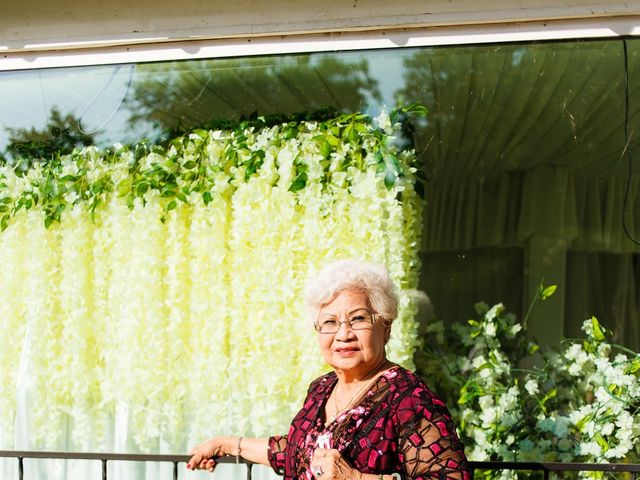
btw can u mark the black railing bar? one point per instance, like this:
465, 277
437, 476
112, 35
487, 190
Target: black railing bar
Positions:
20, 469
175, 470
476, 465
556, 466
128, 457
133, 457
104, 469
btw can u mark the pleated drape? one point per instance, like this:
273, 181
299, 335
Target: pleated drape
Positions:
526, 142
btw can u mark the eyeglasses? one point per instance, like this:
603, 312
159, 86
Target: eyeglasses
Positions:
359, 320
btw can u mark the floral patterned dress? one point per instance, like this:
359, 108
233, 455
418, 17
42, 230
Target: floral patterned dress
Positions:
399, 426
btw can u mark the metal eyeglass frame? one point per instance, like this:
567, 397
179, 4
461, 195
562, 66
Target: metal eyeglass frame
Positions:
374, 318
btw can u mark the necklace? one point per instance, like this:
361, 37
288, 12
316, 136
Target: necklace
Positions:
351, 400
354, 397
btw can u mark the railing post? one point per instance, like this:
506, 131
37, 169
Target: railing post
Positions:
249, 465
20, 469
175, 470
104, 469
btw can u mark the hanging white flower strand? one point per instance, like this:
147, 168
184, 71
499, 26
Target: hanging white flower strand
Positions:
133, 266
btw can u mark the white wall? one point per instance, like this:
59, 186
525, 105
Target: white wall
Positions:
40, 24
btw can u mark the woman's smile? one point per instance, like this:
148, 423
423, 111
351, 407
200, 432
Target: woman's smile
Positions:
346, 351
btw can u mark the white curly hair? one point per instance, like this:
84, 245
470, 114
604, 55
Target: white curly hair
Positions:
371, 278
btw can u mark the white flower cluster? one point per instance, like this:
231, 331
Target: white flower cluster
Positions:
491, 405
579, 404
607, 423
191, 325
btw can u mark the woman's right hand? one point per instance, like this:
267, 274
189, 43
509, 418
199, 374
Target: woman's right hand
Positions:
203, 456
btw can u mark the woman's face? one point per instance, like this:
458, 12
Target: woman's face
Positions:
354, 352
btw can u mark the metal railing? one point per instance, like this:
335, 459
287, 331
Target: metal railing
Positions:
110, 457
546, 467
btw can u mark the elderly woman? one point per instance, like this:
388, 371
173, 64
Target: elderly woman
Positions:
368, 419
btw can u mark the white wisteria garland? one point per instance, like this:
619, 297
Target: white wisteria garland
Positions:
163, 285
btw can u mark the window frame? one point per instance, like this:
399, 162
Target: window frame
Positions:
73, 54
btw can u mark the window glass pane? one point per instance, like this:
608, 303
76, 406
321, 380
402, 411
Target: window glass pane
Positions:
124, 103
457, 280
524, 148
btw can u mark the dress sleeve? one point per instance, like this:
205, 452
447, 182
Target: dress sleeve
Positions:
276, 453
428, 444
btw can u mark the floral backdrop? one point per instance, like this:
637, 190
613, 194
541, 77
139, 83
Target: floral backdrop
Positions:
151, 295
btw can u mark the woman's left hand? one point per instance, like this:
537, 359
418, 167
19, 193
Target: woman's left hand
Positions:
329, 464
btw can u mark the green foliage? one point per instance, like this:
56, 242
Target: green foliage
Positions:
61, 136
189, 167
516, 401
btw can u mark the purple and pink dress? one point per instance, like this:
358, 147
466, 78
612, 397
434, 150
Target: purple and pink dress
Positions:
399, 426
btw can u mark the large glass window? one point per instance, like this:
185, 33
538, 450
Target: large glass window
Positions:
524, 148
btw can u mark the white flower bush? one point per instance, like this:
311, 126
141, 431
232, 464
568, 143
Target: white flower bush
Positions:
162, 286
516, 402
